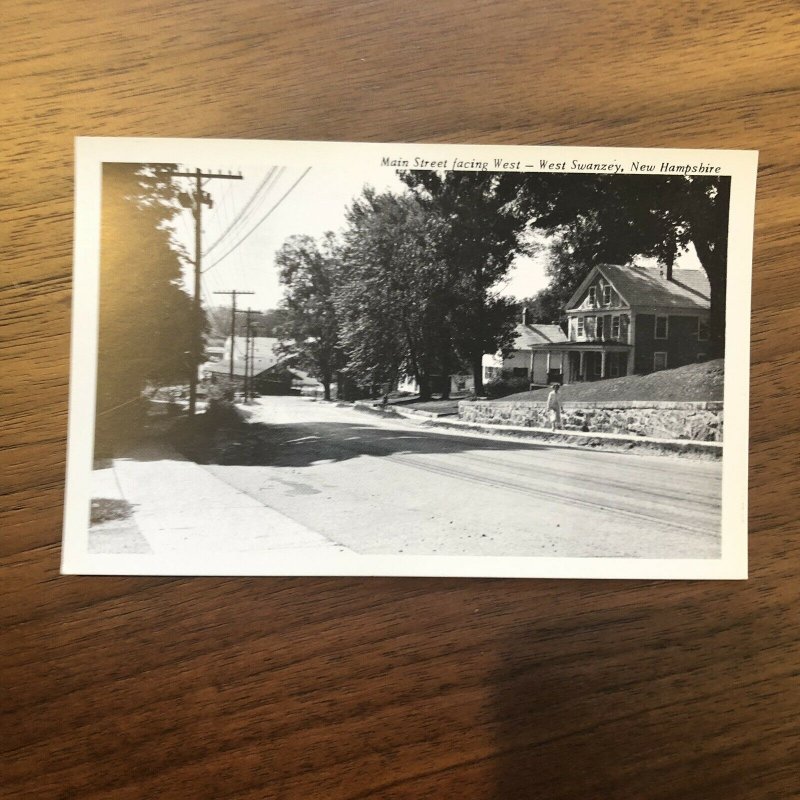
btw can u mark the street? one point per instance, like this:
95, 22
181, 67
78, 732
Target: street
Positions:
380, 485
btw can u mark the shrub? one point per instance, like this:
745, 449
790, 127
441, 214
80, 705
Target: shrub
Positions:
223, 389
221, 413
502, 386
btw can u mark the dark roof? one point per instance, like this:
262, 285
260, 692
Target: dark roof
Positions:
529, 335
645, 286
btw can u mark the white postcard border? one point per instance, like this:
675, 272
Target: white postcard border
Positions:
92, 152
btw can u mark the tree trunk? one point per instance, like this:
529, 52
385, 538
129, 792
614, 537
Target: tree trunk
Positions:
445, 387
715, 265
711, 244
424, 382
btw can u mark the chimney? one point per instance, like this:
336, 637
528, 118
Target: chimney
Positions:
525, 315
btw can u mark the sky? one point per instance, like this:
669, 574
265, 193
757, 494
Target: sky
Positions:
312, 206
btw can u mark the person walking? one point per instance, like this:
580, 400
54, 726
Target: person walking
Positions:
554, 407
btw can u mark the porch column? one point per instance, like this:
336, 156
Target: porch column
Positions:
581, 369
530, 374
547, 367
602, 363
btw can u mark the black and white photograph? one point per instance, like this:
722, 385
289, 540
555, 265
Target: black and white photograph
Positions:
332, 358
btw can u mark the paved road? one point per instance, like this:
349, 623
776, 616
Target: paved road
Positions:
385, 486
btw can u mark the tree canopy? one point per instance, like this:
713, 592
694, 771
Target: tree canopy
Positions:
603, 218
393, 299
146, 319
477, 247
310, 272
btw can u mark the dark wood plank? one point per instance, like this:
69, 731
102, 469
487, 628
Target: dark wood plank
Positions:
353, 688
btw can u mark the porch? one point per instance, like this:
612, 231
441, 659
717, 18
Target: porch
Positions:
577, 362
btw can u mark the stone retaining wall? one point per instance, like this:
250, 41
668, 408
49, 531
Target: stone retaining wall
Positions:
699, 421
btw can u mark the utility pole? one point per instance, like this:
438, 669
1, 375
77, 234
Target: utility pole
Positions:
252, 363
248, 357
233, 293
195, 203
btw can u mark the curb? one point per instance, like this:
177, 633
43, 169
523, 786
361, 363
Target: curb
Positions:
581, 439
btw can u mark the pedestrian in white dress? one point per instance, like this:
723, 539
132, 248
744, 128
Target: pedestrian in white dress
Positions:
554, 407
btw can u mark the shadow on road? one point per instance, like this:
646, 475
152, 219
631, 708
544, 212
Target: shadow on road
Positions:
303, 444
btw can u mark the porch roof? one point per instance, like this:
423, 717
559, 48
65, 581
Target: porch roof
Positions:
561, 347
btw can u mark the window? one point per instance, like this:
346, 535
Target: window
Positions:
490, 372
520, 372
662, 327
592, 296
581, 330
659, 361
615, 327
607, 295
590, 326
624, 323
702, 330
613, 363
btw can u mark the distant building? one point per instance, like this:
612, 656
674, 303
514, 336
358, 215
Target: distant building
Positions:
264, 356
630, 320
462, 382
524, 361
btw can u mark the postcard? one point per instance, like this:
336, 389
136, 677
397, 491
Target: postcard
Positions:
328, 358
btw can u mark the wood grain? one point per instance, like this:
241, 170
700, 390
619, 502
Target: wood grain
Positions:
354, 688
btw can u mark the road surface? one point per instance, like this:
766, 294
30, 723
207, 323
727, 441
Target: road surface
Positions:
386, 486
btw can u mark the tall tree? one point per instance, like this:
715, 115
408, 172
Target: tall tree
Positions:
605, 218
393, 301
478, 246
145, 316
310, 271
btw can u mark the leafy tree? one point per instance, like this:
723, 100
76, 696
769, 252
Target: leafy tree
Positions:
565, 270
544, 307
604, 218
309, 271
477, 246
145, 317
393, 302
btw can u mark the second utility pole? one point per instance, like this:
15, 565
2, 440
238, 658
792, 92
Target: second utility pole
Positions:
233, 294
248, 358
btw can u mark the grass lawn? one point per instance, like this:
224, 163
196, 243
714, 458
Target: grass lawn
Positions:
413, 402
702, 382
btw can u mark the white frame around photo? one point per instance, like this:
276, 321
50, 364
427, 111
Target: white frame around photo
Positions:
92, 153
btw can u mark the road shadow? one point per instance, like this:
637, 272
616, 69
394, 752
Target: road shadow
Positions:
304, 444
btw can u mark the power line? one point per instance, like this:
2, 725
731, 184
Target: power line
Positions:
253, 229
242, 213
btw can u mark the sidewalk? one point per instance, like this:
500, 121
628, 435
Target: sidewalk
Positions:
179, 507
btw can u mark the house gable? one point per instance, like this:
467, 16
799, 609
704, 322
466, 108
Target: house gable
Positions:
597, 291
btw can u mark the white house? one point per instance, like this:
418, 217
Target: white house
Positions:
540, 367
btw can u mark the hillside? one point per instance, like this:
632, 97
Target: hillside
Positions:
693, 382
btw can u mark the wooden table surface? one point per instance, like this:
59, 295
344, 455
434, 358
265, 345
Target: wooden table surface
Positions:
392, 688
